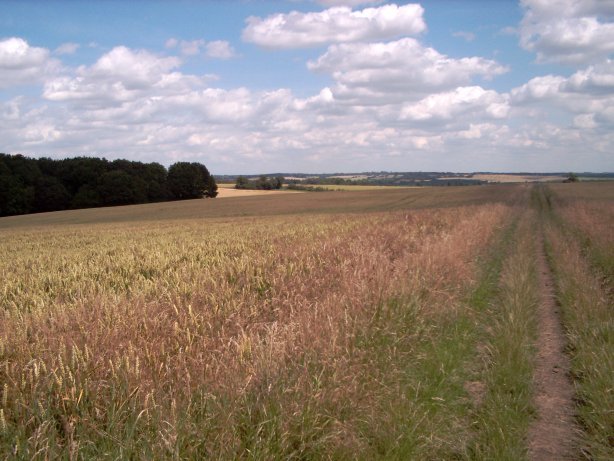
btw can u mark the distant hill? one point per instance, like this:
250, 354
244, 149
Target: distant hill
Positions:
418, 178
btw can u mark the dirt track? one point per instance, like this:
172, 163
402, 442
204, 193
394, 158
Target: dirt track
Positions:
551, 436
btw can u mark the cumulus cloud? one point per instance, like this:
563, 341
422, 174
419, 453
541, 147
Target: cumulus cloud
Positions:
21, 63
352, 3
67, 48
220, 49
568, 31
403, 68
461, 101
186, 47
118, 75
467, 36
334, 25
596, 81
585, 98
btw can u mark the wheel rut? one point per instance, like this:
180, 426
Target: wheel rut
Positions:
552, 435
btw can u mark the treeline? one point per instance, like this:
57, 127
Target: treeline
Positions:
36, 185
261, 183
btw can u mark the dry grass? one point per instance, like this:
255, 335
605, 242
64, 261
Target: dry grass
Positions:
581, 250
249, 338
587, 312
299, 326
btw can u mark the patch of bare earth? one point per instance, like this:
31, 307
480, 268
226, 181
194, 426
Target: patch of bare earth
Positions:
552, 434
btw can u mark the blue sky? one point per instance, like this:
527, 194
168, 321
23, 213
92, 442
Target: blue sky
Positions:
312, 86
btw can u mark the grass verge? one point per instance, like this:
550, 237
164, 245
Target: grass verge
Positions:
589, 325
504, 408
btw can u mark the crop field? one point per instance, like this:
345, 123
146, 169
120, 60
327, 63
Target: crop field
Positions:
399, 323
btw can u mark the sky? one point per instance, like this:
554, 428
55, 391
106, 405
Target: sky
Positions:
313, 86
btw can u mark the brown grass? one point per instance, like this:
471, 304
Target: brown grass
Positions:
174, 337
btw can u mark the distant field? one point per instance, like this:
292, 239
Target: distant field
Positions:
224, 189
226, 192
396, 323
508, 178
386, 198
357, 187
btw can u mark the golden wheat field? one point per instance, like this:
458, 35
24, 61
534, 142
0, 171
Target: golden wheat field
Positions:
335, 325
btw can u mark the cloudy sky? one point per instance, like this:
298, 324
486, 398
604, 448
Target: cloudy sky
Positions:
259, 86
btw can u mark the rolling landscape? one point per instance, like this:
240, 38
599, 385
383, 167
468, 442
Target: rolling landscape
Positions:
400, 323
307, 230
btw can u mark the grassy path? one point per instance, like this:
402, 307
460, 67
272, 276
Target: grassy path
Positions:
505, 409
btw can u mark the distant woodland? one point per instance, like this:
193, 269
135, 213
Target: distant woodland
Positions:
37, 185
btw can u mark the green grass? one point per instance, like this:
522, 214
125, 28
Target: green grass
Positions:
504, 415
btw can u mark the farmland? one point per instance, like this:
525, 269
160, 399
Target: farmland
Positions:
399, 323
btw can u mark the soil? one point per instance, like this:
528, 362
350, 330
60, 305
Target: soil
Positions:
552, 435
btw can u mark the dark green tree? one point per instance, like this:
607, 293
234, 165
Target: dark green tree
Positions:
242, 183
263, 183
119, 188
278, 181
50, 195
154, 176
189, 180
15, 198
76, 172
211, 191
86, 197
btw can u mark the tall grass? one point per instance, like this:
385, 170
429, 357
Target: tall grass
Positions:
506, 409
222, 331
579, 244
266, 338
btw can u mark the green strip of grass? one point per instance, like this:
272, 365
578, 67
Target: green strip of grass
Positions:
503, 417
430, 413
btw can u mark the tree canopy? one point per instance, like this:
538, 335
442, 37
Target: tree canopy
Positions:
30, 185
263, 183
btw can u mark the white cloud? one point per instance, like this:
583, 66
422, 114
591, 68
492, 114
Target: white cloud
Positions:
596, 79
67, 48
21, 63
461, 101
171, 43
220, 49
583, 101
191, 47
401, 69
595, 82
352, 3
568, 31
186, 47
119, 75
467, 36
334, 25
134, 68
